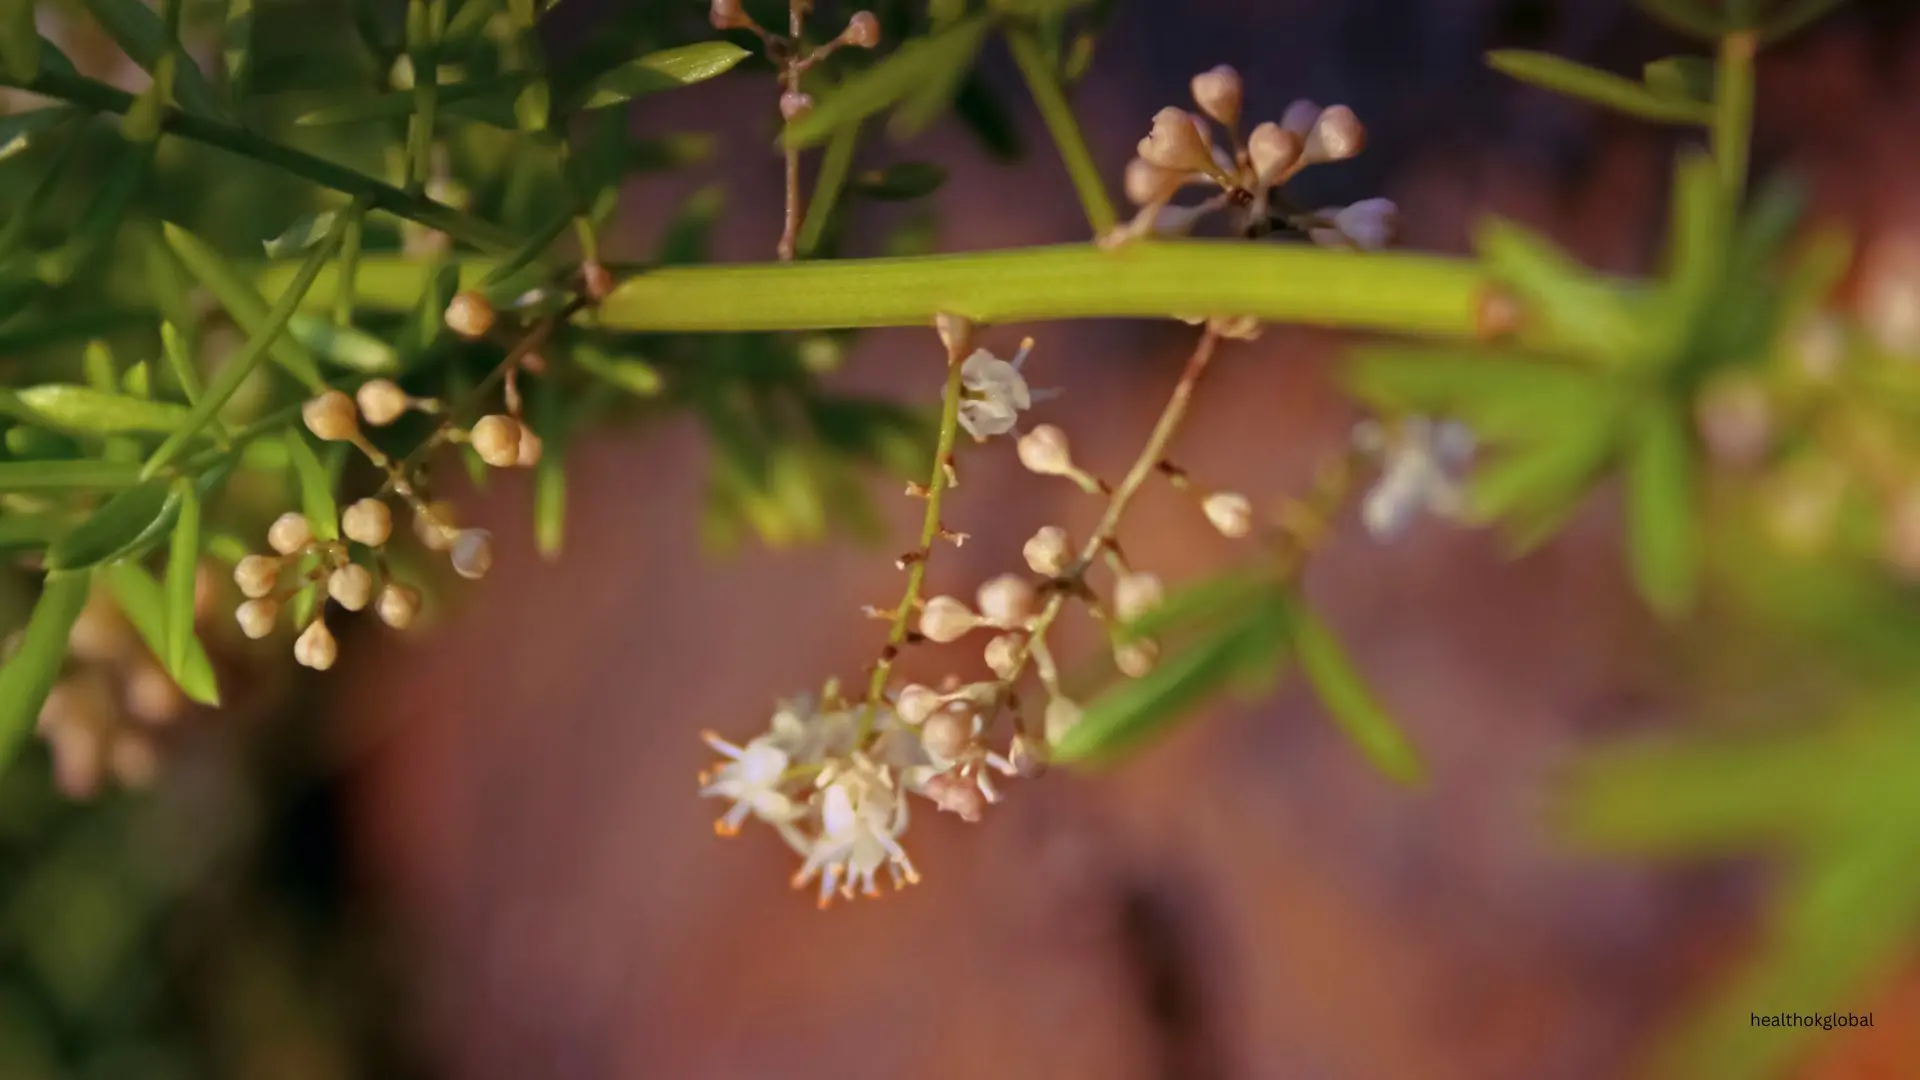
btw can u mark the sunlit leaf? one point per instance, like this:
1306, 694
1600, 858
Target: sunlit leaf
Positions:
83, 409
1599, 87
926, 71
27, 678
343, 346
665, 70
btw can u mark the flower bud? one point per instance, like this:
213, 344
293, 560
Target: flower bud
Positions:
256, 575
1230, 512
1048, 551
134, 760
1337, 135
1044, 450
957, 795
795, 104
1005, 655
1299, 118
1006, 600
1147, 183
863, 30
1136, 658
315, 647
1274, 151
152, 696
531, 448
596, 281
256, 617
1028, 756
472, 553
1062, 716
435, 527
946, 619
1735, 420
351, 586
101, 634
1219, 94
1179, 141
727, 15
496, 439
289, 533
331, 416
368, 522
470, 315
381, 401
1136, 594
945, 735
1369, 224
916, 703
397, 606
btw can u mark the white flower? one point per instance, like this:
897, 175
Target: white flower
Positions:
1419, 464
751, 778
996, 392
862, 814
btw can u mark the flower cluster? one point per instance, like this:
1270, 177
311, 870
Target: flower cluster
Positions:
1180, 152
1420, 465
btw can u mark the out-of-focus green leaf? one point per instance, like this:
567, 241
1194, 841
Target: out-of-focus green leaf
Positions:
1500, 397
1139, 708
26, 679
247, 307
1766, 227
1686, 16
921, 77
426, 325
1794, 16
117, 525
397, 104
183, 561
305, 232
343, 346
1348, 699
1696, 256
33, 530
82, 475
1682, 78
86, 410
236, 45
147, 606
316, 486
1662, 545
654, 72
633, 375
102, 220
536, 246
1548, 471
550, 479
980, 108
19, 130
828, 183
1224, 597
1563, 76
689, 235
137, 29
19, 41
180, 362
1588, 313
907, 180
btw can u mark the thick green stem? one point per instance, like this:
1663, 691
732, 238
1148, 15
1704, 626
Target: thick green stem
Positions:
1044, 85
1733, 111
99, 97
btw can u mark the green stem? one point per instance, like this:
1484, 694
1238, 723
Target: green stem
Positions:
1733, 111
349, 267
835, 164
929, 531
426, 19
1065, 129
99, 97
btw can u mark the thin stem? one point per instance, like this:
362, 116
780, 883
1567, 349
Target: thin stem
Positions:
1733, 111
835, 164
97, 96
790, 84
937, 484
349, 267
1065, 129
426, 19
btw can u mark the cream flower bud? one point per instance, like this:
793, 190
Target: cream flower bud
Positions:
315, 647
1136, 658
1006, 600
956, 795
916, 703
1136, 594
795, 104
256, 575
397, 606
1274, 151
472, 553
1005, 654
1369, 224
289, 533
435, 528
946, 735
1062, 716
351, 586
1230, 512
1044, 450
863, 30
1219, 93
1028, 756
946, 619
531, 448
1048, 551
1147, 183
331, 416
470, 315
1336, 136
496, 439
1179, 141
1299, 117
256, 617
368, 522
727, 15
596, 281
381, 401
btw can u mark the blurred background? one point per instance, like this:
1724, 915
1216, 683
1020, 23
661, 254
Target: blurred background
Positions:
477, 852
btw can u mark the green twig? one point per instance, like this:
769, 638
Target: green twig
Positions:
1043, 84
1733, 111
99, 97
